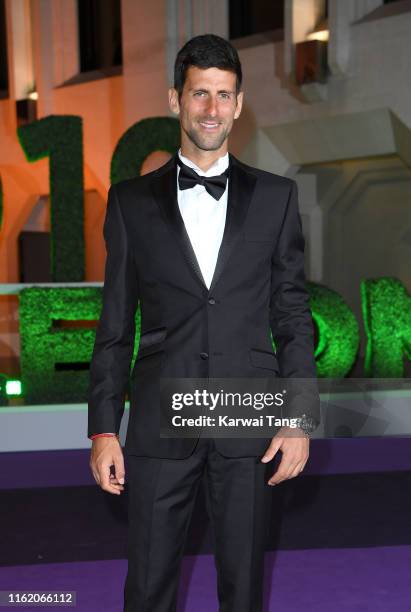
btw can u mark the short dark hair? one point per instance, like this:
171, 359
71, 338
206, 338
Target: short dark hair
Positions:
206, 51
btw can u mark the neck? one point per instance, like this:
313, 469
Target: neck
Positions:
202, 159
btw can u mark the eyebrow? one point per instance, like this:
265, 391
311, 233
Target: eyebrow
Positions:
203, 89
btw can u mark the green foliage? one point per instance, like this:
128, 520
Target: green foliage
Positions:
141, 139
386, 309
55, 359
60, 138
49, 353
338, 331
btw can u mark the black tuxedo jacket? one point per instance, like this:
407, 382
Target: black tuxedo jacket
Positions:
188, 330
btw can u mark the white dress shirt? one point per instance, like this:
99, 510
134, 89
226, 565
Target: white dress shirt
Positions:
204, 216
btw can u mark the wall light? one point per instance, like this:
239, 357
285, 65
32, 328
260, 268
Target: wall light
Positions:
13, 387
321, 32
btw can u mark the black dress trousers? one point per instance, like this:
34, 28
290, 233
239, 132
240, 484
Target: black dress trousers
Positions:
162, 493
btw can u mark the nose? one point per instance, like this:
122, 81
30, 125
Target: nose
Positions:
212, 106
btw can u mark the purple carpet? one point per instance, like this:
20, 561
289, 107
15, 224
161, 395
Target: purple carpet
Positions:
336, 456
343, 580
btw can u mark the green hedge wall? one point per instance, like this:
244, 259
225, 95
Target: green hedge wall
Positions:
54, 359
338, 332
386, 309
60, 138
141, 139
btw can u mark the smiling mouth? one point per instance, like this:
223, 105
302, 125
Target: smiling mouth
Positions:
208, 126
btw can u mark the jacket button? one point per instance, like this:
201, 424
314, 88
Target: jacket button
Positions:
204, 355
211, 301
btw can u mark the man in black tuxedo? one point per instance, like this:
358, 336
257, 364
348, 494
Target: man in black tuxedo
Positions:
213, 251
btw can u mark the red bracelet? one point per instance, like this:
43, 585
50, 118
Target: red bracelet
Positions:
104, 435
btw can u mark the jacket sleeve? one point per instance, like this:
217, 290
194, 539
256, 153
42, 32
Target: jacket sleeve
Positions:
114, 341
291, 321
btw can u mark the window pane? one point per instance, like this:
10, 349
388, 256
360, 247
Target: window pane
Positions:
253, 16
4, 78
99, 34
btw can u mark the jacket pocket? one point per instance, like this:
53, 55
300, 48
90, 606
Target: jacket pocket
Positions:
264, 359
151, 339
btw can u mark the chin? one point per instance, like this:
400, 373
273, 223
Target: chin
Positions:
209, 146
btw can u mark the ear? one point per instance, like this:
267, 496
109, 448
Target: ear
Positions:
173, 101
239, 104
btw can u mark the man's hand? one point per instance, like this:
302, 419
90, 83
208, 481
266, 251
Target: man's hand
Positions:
294, 445
106, 452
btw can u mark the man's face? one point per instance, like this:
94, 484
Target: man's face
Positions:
208, 106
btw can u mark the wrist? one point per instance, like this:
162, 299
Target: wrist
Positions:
306, 424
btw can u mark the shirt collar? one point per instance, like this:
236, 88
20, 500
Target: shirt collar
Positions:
218, 166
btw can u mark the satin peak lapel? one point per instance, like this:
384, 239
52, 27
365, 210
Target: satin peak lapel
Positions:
240, 192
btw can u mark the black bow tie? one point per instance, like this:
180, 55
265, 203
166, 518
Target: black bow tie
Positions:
215, 185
